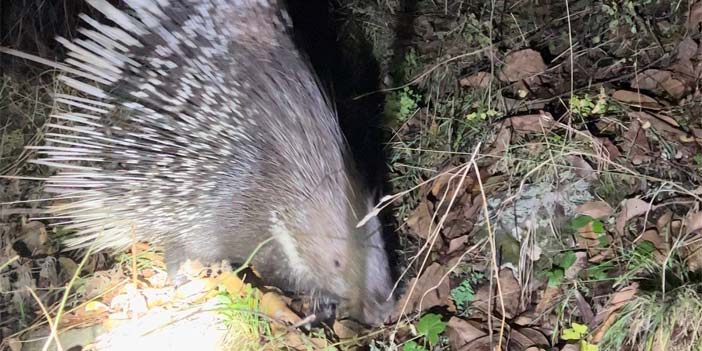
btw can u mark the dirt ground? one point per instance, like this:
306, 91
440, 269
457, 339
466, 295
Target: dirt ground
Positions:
541, 161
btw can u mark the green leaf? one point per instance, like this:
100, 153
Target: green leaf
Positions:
597, 226
599, 272
567, 259
580, 221
431, 326
575, 332
413, 346
586, 346
645, 248
555, 276
463, 294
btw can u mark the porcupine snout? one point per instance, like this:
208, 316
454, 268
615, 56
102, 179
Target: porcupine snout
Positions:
326, 248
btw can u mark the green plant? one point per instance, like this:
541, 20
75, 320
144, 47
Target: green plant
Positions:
697, 159
599, 271
464, 293
430, 326
413, 346
399, 105
482, 114
241, 315
624, 13
578, 332
563, 262
597, 227
585, 106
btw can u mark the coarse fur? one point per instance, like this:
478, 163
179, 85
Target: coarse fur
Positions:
207, 131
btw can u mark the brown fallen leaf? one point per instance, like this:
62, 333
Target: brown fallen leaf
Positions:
694, 17
595, 209
659, 82
461, 332
345, 329
612, 150
478, 80
635, 99
687, 49
484, 343
457, 244
524, 338
502, 141
275, 306
431, 289
535, 335
535, 123
693, 222
589, 240
301, 342
607, 317
660, 122
549, 298
571, 347
582, 168
630, 209
692, 251
521, 65
511, 293
420, 221
636, 144
661, 246
584, 307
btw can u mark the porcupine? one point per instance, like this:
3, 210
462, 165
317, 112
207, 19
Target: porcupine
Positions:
207, 131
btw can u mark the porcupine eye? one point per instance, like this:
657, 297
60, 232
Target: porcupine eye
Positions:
337, 264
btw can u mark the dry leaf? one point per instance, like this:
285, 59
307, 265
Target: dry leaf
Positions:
462, 332
521, 65
457, 244
482, 344
511, 292
584, 307
582, 168
661, 122
232, 283
345, 329
659, 243
580, 263
274, 306
636, 144
502, 140
522, 339
588, 239
536, 123
659, 82
478, 80
432, 289
693, 222
694, 17
612, 150
301, 342
595, 209
608, 316
14, 344
549, 298
632, 208
635, 99
687, 49
420, 221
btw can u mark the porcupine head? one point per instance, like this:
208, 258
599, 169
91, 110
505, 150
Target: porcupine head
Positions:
205, 130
